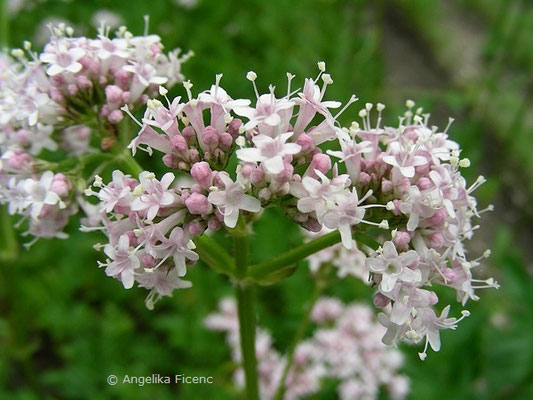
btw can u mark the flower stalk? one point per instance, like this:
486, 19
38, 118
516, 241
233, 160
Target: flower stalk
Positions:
246, 311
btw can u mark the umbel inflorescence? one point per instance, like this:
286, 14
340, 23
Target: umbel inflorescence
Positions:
398, 190
61, 106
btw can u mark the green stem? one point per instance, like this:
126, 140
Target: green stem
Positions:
292, 256
4, 24
8, 245
300, 331
246, 312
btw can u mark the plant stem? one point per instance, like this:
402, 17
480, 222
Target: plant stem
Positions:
4, 24
300, 331
294, 255
8, 245
246, 311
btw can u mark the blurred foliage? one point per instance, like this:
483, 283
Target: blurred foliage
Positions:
64, 326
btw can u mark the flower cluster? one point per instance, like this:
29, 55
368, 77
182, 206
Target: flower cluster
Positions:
346, 346
66, 100
400, 185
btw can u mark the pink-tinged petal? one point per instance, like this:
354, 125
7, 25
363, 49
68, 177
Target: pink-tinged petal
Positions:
272, 120
391, 160
217, 198
306, 205
274, 165
226, 180
375, 264
250, 155
109, 251
412, 224
167, 179
127, 279
249, 203
408, 275
137, 204
400, 313
389, 251
179, 263
166, 199
54, 70
346, 235
419, 160
292, 148
51, 198
262, 140
152, 212
388, 282
311, 185
123, 243
434, 338
409, 257
331, 104
74, 67
408, 171
231, 217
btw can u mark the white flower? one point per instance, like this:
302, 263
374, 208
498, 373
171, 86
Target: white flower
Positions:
232, 199
62, 59
269, 151
123, 261
393, 267
39, 193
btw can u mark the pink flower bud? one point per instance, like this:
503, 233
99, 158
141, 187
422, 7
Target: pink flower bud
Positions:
364, 179
438, 218
424, 183
449, 274
320, 162
257, 177
402, 239
226, 141
247, 169
148, 261
19, 160
83, 82
313, 225
307, 143
126, 96
179, 143
171, 161
113, 94
214, 223
380, 300
196, 228
386, 186
197, 204
60, 185
202, 174
72, 89
189, 134
233, 127
123, 79
436, 240
210, 137
115, 116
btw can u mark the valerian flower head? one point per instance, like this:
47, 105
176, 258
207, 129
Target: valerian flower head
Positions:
404, 180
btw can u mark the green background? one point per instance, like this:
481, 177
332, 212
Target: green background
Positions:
65, 326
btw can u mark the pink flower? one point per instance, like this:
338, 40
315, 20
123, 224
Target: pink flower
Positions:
393, 267
269, 151
232, 199
155, 194
123, 261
